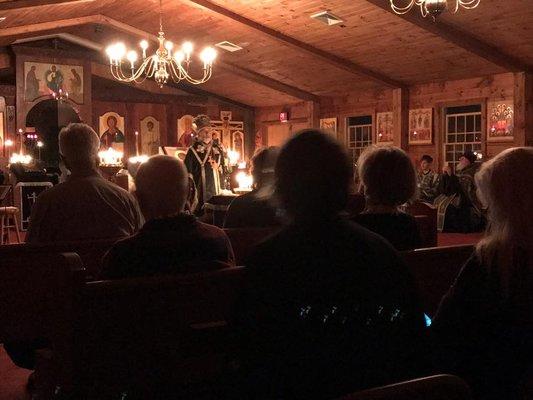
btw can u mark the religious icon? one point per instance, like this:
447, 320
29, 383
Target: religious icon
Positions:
112, 131
421, 126
186, 131
329, 125
385, 128
44, 79
500, 121
149, 136
238, 143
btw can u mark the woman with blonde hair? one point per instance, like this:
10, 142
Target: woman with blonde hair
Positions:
484, 325
388, 179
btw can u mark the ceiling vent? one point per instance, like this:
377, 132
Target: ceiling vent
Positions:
228, 46
327, 18
2, 19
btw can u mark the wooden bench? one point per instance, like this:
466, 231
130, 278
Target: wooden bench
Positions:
90, 252
438, 387
36, 292
143, 333
243, 240
434, 270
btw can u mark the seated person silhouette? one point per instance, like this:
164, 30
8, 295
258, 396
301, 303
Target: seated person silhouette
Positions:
86, 206
329, 306
389, 180
170, 241
255, 209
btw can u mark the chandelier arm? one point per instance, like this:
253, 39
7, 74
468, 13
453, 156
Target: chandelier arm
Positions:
402, 10
469, 4
206, 75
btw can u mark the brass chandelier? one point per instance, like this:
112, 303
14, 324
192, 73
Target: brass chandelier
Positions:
433, 7
162, 65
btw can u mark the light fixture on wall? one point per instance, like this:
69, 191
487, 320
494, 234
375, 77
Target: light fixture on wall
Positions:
432, 7
162, 65
61, 95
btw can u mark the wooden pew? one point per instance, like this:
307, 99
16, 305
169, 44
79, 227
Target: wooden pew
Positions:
36, 292
243, 240
90, 252
434, 270
437, 387
140, 333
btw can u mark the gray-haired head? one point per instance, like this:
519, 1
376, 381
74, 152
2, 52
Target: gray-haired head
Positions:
78, 145
161, 186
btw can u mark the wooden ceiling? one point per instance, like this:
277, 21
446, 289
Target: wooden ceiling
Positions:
287, 56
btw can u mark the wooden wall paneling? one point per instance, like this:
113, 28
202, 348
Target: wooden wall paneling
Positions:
523, 109
313, 112
400, 110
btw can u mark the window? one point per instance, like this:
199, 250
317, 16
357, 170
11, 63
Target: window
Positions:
463, 132
359, 135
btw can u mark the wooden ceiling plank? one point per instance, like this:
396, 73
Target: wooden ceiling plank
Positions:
330, 58
459, 38
20, 4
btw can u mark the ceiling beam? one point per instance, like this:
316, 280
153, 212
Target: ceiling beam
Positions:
290, 41
268, 82
459, 38
48, 26
19, 4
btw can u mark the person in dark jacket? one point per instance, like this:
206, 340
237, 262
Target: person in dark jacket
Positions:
484, 325
389, 180
329, 306
256, 209
458, 208
170, 241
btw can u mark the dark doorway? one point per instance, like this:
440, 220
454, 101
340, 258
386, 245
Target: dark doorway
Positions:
48, 117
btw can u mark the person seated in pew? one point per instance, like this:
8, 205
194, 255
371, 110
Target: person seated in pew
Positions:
484, 325
389, 181
86, 206
255, 209
329, 306
428, 180
171, 241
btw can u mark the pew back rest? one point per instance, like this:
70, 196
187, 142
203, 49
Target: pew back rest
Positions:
428, 230
438, 387
36, 291
243, 240
132, 330
90, 252
434, 271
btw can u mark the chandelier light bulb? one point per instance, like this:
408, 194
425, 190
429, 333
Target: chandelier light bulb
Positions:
187, 48
120, 50
208, 55
132, 57
144, 44
179, 56
169, 45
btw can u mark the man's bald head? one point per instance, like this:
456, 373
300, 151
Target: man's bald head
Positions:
162, 186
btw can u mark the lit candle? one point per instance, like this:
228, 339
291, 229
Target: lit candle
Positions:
136, 143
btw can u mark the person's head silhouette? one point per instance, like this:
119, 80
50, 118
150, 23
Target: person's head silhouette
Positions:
312, 176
